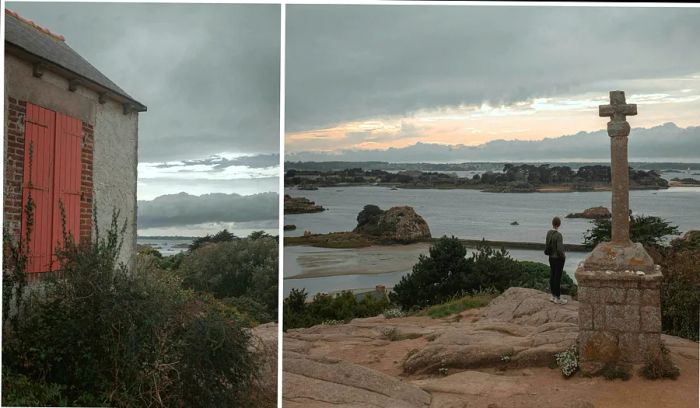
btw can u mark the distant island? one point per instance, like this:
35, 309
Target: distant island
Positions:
513, 178
300, 205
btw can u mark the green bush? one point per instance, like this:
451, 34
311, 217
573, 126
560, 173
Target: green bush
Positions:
535, 275
680, 289
240, 268
446, 273
648, 230
99, 335
342, 306
435, 278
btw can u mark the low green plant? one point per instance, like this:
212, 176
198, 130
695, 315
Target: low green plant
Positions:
567, 361
331, 322
393, 313
459, 305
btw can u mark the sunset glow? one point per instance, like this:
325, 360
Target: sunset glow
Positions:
661, 100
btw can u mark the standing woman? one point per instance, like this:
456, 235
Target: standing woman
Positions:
554, 247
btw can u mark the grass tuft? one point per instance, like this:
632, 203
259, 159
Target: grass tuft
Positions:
457, 305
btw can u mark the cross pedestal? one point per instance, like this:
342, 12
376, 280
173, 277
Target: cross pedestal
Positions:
618, 283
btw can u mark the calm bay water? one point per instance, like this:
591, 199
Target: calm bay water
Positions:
469, 214
472, 214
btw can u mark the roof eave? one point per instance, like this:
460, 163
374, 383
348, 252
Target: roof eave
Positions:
128, 102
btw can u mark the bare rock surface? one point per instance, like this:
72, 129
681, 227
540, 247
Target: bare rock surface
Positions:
322, 381
520, 328
264, 342
364, 363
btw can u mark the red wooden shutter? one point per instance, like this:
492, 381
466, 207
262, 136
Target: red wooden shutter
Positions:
67, 168
39, 143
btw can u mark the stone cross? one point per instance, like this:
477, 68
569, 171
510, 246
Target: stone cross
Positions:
618, 130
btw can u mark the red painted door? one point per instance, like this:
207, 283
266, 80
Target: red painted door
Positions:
66, 186
38, 182
52, 174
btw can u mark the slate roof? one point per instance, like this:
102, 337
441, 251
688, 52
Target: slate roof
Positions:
50, 47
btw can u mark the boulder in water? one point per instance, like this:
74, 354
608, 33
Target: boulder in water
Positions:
592, 213
400, 224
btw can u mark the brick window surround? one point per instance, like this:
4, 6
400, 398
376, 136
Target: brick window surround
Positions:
15, 151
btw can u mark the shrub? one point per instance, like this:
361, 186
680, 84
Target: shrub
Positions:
567, 361
369, 215
612, 371
100, 335
240, 268
648, 230
435, 278
446, 273
661, 367
221, 236
342, 306
535, 275
680, 289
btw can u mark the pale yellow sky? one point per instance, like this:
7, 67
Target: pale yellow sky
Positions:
674, 100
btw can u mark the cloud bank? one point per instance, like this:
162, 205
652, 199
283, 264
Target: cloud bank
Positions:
185, 209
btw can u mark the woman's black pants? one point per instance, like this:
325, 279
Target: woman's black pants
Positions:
556, 268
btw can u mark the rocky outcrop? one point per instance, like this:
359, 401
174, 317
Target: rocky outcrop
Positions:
321, 382
521, 328
300, 205
592, 213
400, 224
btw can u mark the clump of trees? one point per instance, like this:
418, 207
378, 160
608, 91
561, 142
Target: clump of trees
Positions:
447, 273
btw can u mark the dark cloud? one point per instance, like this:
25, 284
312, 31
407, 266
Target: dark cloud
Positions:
185, 209
358, 62
209, 73
666, 142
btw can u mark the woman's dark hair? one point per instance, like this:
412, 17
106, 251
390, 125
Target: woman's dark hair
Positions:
556, 222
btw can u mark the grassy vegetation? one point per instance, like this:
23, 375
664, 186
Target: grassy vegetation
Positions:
458, 305
333, 240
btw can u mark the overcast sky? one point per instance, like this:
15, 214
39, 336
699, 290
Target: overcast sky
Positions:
374, 77
209, 75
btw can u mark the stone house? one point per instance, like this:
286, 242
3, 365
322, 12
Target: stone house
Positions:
71, 139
